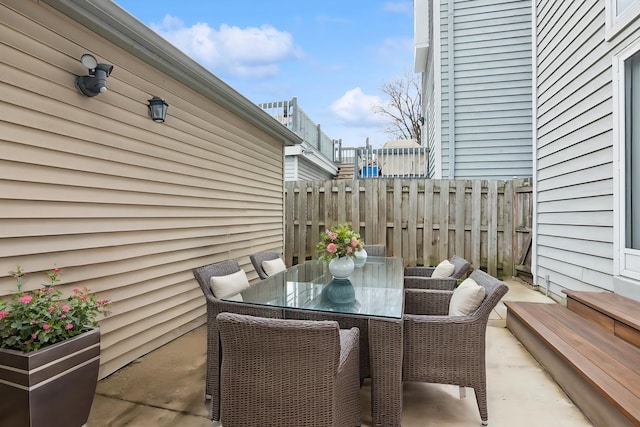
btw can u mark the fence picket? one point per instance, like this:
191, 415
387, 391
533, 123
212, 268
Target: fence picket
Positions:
421, 220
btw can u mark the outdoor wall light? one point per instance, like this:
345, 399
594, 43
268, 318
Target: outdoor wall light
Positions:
421, 121
158, 109
96, 82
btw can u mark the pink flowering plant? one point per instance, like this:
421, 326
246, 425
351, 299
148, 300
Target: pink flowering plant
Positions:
338, 241
42, 317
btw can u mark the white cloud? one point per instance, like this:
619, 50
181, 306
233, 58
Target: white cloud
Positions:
398, 7
395, 49
356, 108
238, 51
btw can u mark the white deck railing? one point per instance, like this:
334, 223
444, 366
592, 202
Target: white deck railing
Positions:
410, 162
293, 117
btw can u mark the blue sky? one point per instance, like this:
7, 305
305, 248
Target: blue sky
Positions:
333, 55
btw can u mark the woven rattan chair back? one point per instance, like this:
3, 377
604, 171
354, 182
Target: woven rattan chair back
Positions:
216, 306
258, 258
445, 349
375, 250
462, 266
287, 373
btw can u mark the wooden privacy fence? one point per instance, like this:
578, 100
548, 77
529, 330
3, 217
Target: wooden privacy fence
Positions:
421, 220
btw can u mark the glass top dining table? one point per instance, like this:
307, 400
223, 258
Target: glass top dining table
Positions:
372, 299
373, 289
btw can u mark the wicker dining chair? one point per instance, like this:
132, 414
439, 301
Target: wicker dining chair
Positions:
419, 277
216, 306
288, 373
444, 349
375, 250
258, 258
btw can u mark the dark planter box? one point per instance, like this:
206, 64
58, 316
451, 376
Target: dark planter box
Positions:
51, 387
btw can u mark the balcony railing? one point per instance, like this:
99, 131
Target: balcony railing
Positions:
368, 162
291, 115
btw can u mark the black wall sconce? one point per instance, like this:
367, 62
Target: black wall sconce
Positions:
96, 82
158, 109
421, 121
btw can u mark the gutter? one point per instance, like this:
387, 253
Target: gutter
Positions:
125, 31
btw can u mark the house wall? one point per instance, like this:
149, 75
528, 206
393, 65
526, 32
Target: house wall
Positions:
126, 206
575, 146
309, 171
431, 96
485, 63
305, 163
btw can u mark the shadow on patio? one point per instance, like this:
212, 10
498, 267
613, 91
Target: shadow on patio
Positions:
166, 387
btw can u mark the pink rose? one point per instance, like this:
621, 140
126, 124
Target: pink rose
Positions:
332, 235
76, 290
3, 314
46, 326
51, 290
63, 316
83, 297
34, 336
65, 308
332, 248
56, 270
51, 309
355, 241
348, 249
26, 299
68, 326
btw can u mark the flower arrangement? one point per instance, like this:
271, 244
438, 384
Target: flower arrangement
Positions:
338, 241
39, 318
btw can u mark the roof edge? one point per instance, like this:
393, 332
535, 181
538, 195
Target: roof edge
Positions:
117, 25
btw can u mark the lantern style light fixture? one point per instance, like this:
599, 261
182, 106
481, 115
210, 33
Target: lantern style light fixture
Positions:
158, 109
96, 82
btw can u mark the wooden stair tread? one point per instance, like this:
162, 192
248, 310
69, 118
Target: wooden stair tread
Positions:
606, 362
623, 309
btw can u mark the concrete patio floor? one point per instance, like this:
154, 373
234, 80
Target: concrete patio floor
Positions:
166, 387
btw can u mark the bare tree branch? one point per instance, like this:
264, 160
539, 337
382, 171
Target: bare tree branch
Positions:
402, 108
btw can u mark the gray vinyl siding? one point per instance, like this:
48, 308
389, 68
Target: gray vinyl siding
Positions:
492, 74
574, 150
291, 168
431, 107
308, 171
125, 206
297, 168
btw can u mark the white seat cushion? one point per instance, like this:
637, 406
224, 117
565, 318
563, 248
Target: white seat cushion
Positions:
223, 286
443, 270
273, 266
466, 298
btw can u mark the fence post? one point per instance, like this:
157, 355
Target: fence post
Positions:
454, 217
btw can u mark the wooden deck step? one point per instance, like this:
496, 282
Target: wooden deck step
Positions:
599, 371
617, 314
345, 171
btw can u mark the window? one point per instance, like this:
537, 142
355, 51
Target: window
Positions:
632, 150
626, 78
619, 14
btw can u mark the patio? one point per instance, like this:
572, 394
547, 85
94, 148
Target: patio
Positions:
166, 387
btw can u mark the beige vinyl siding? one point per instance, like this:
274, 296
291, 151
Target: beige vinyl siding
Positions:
126, 206
575, 234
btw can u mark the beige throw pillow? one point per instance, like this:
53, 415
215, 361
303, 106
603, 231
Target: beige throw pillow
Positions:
443, 270
466, 298
223, 286
273, 266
